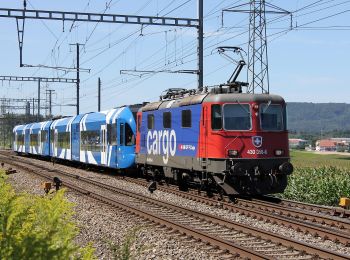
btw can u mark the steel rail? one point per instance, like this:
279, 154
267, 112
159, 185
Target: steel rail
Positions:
300, 245
231, 247
332, 211
286, 219
281, 210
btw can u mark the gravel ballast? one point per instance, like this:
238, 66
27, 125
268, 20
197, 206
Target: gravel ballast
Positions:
109, 225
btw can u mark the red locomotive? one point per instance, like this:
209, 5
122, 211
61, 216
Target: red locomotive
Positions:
219, 139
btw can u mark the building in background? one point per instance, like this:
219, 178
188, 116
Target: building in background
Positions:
333, 145
299, 144
343, 144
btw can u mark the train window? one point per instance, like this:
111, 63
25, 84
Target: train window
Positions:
90, 141
129, 136
216, 117
43, 136
63, 140
186, 118
52, 135
20, 139
122, 129
112, 134
271, 117
109, 132
33, 139
150, 121
26, 136
237, 117
167, 120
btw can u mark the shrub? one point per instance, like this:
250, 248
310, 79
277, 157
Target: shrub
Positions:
324, 185
34, 227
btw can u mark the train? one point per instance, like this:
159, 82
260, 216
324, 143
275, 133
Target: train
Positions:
215, 139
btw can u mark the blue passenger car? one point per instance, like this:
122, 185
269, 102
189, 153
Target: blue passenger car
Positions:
106, 138
103, 138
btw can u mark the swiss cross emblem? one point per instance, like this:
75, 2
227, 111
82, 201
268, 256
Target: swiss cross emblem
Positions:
257, 141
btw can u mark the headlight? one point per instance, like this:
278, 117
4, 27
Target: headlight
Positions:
279, 152
232, 153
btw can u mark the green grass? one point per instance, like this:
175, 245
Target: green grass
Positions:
313, 160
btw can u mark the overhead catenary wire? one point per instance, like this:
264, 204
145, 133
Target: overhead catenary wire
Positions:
185, 53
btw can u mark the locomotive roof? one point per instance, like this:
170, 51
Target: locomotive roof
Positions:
212, 97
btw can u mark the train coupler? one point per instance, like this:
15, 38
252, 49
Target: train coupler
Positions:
229, 190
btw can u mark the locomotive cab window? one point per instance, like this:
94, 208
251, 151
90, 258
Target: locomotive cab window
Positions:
167, 120
150, 121
186, 118
271, 117
216, 117
237, 117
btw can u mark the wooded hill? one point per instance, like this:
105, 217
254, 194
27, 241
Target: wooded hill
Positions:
318, 117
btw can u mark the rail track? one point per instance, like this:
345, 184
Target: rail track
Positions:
237, 239
308, 221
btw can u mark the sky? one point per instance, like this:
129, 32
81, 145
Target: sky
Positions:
308, 54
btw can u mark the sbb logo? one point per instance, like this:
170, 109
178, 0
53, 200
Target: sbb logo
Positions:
161, 142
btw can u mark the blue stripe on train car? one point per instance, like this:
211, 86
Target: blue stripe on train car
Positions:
75, 134
91, 126
174, 141
111, 144
44, 148
27, 138
61, 145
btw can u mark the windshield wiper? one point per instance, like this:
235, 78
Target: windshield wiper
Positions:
245, 109
268, 105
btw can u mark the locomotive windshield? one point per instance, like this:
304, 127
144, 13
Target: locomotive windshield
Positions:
271, 117
237, 117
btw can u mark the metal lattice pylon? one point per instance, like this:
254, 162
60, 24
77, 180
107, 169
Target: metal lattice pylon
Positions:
258, 69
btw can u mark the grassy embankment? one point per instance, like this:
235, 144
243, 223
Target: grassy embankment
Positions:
317, 178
